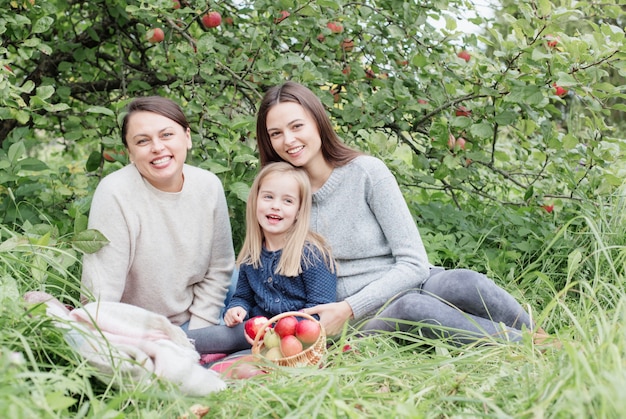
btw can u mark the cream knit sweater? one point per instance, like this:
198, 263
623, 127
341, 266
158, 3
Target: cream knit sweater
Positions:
170, 253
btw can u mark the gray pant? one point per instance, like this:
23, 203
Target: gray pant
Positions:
219, 339
458, 304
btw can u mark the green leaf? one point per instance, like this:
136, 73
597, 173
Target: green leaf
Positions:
32, 164
93, 161
43, 24
101, 110
241, 190
89, 241
44, 92
58, 401
529, 193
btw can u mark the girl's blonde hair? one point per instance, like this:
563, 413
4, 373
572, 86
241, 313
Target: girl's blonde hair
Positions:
299, 234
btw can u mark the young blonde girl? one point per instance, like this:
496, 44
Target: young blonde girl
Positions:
283, 265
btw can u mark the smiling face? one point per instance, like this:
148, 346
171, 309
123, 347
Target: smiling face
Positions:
158, 147
294, 135
278, 203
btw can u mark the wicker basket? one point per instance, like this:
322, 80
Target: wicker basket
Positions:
312, 355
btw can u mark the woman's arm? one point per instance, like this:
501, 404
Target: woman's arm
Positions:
104, 272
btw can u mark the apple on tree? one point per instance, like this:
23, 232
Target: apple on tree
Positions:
559, 90
212, 19
284, 14
462, 111
464, 55
155, 35
334, 27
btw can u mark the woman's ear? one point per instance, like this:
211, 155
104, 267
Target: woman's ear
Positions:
188, 134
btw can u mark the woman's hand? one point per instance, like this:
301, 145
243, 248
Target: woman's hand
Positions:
332, 316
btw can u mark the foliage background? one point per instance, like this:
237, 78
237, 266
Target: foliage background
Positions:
530, 199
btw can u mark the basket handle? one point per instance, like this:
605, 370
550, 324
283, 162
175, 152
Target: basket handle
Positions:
277, 317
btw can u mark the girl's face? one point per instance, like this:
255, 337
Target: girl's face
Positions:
158, 147
278, 203
294, 135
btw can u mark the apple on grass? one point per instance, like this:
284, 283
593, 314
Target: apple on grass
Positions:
253, 325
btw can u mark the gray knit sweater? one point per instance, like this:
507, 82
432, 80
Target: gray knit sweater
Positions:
360, 210
170, 253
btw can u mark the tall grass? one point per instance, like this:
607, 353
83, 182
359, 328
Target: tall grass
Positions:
389, 375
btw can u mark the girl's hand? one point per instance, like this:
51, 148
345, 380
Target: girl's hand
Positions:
234, 316
332, 316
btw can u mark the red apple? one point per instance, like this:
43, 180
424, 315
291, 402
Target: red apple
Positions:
308, 331
464, 55
271, 339
286, 326
253, 325
321, 37
551, 42
212, 19
347, 45
108, 156
290, 345
422, 101
176, 4
284, 14
559, 91
451, 141
334, 27
155, 35
229, 20
460, 142
548, 208
462, 111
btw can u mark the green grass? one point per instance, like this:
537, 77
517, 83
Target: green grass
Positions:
385, 376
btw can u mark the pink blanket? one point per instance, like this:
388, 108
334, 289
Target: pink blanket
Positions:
129, 345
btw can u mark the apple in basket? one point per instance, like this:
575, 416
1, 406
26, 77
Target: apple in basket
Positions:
290, 345
271, 339
308, 331
253, 325
286, 326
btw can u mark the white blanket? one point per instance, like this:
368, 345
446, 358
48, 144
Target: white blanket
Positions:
125, 342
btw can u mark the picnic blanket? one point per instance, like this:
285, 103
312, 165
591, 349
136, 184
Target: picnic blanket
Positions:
126, 342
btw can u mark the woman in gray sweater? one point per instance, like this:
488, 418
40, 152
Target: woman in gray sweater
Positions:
382, 264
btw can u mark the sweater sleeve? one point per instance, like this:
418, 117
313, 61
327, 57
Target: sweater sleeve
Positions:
244, 294
104, 272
